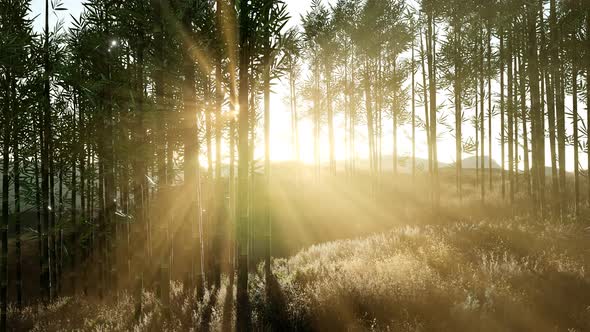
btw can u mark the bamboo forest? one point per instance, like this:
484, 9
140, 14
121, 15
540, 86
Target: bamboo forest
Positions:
295, 165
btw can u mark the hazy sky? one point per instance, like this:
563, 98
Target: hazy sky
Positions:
281, 148
296, 7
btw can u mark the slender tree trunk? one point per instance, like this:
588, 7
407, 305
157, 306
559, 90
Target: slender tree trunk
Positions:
353, 114
242, 305
523, 114
159, 90
346, 95
550, 117
101, 231
38, 207
433, 107
219, 193
560, 107
17, 208
516, 114
482, 116
45, 139
267, 59
458, 113
110, 185
191, 155
537, 116
162, 279
426, 105
576, 138
331, 137
232, 185
477, 145
588, 91
141, 228
317, 119
395, 123
510, 109
294, 117
60, 214
81, 155
5, 215
413, 68
490, 110
53, 243
73, 208
502, 115
252, 231
370, 125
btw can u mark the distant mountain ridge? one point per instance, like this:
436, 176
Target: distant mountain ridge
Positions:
405, 163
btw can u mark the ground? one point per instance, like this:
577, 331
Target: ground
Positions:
483, 275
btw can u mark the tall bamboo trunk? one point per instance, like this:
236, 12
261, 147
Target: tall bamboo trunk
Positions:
502, 115
60, 232
353, 114
490, 109
413, 68
317, 120
232, 187
81, 155
101, 231
516, 115
510, 114
5, 216
482, 116
267, 59
45, 142
426, 105
141, 228
477, 135
252, 231
218, 194
457, 87
395, 124
370, 125
549, 88
576, 139
38, 207
73, 243
242, 304
346, 95
53, 243
17, 206
159, 91
524, 118
537, 116
163, 278
588, 90
331, 137
191, 162
433, 107
560, 107
109, 184
294, 117
379, 123
208, 197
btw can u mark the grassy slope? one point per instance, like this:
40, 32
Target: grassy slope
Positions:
507, 276
463, 277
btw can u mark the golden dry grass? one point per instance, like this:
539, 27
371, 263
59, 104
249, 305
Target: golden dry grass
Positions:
469, 276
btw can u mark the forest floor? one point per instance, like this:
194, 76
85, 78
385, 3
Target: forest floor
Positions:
513, 275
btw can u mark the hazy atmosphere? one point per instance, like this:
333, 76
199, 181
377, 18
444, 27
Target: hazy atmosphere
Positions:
286, 165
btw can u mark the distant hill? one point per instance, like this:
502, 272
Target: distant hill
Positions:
405, 164
470, 162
